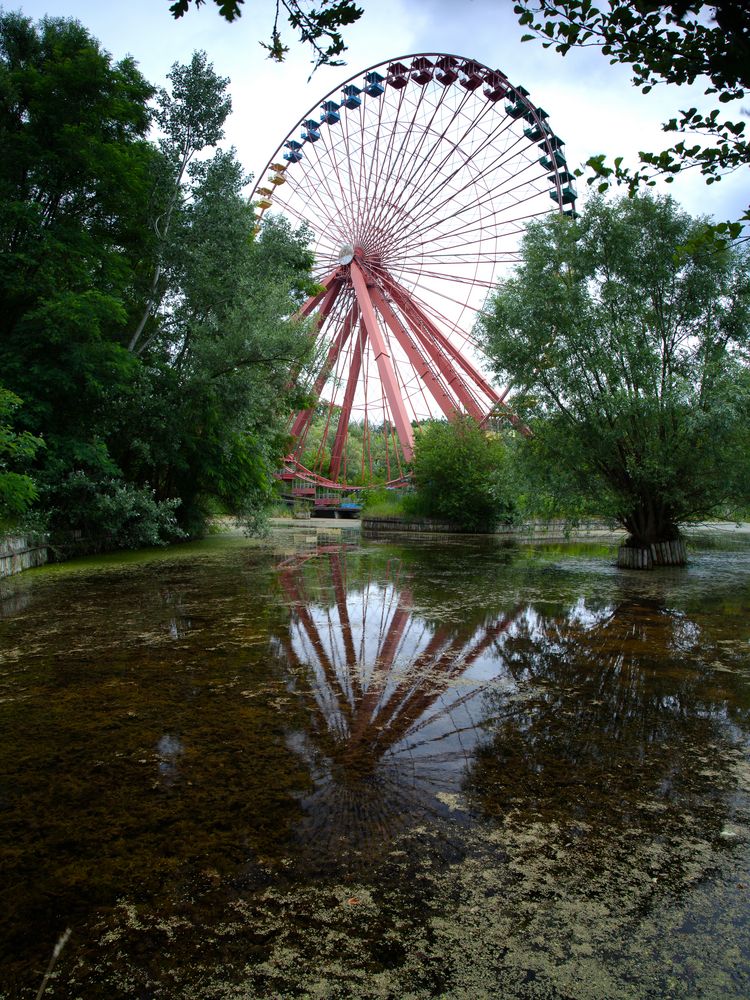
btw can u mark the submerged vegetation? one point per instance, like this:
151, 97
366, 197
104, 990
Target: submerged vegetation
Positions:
467, 770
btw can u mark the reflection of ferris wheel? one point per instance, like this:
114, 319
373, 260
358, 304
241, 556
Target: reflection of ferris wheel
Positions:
416, 178
395, 701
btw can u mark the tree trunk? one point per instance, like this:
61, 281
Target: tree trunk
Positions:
636, 556
654, 538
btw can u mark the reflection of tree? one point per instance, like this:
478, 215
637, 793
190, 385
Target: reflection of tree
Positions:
394, 700
618, 726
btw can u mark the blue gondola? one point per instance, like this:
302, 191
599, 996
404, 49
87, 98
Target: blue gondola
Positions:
517, 110
567, 194
330, 113
374, 84
531, 116
566, 197
558, 160
294, 155
352, 99
552, 142
312, 131
536, 132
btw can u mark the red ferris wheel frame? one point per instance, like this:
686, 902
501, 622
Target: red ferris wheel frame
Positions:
417, 183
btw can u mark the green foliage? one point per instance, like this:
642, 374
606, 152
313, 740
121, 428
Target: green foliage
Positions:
110, 514
191, 119
667, 41
379, 501
462, 474
630, 361
376, 443
318, 28
17, 490
215, 383
545, 489
148, 333
73, 194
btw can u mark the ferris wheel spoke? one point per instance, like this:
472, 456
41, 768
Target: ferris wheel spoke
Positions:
428, 167
414, 162
475, 173
380, 164
429, 207
346, 408
390, 169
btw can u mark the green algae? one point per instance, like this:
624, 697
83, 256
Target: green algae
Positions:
377, 771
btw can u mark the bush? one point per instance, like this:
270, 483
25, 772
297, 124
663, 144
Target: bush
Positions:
462, 474
110, 514
380, 501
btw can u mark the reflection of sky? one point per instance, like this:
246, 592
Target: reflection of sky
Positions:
169, 749
414, 708
399, 700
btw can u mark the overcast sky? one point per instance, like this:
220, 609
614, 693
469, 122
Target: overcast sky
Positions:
592, 105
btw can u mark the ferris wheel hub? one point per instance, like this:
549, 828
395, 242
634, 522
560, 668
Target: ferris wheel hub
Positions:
346, 254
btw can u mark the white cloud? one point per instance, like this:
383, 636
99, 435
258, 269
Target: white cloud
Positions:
592, 105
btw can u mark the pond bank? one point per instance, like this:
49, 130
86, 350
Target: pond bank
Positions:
20, 552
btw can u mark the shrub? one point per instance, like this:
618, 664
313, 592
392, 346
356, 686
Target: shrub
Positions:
462, 474
110, 513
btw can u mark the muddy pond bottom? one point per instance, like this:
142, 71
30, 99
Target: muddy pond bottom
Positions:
316, 767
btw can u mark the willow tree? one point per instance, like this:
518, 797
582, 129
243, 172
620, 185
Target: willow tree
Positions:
629, 359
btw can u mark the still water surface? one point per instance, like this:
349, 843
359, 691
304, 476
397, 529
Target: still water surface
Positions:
319, 768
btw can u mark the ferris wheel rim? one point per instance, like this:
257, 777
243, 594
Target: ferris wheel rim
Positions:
369, 69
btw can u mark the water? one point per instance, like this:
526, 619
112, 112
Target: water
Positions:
318, 768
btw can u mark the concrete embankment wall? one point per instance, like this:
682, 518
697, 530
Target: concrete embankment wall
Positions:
20, 552
553, 530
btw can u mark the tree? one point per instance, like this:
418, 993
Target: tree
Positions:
461, 474
75, 182
318, 28
148, 333
191, 119
629, 360
206, 421
665, 41
17, 490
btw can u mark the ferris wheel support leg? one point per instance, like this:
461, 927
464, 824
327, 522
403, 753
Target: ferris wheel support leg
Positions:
307, 307
365, 718
424, 332
303, 417
423, 370
326, 297
347, 634
474, 374
342, 427
384, 363
306, 620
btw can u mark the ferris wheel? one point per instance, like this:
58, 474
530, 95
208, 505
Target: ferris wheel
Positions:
416, 178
